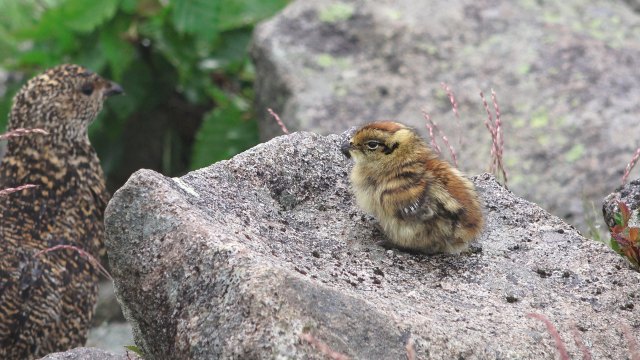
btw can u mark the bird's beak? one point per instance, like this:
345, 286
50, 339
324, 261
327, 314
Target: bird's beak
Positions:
113, 89
345, 148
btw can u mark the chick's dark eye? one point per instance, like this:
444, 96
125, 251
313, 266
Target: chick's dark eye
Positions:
87, 89
372, 145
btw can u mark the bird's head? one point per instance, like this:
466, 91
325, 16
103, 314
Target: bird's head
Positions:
63, 100
383, 142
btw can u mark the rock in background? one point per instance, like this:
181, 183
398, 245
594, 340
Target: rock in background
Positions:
566, 76
630, 196
260, 256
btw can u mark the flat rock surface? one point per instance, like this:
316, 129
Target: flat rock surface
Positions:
86, 354
565, 73
260, 256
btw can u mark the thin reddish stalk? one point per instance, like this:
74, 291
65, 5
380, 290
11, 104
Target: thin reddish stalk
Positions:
564, 355
322, 347
630, 166
430, 127
21, 132
411, 350
631, 340
275, 116
90, 257
433, 129
454, 108
497, 139
8, 191
586, 355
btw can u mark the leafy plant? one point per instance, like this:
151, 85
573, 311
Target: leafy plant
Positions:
625, 239
136, 350
183, 64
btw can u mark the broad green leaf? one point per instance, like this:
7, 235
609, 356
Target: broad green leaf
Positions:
232, 47
240, 13
118, 52
6, 102
617, 217
84, 16
129, 6
223, 134
92, 55
615, 246
17, 14
134, 349
196, 17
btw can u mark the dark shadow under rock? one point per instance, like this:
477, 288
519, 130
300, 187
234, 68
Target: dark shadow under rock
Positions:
240, 259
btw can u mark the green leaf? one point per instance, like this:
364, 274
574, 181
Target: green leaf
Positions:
231, 48
117, 51
129, 6
6, 102
614, 245
196, 17
84, 16
134, 349
626, 214
617, 217
240, 13
223, 134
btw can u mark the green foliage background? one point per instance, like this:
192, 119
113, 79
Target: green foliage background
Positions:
183, 64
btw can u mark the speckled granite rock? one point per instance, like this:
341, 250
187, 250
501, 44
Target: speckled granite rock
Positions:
628, 194
566, 75
87, 354
240, 259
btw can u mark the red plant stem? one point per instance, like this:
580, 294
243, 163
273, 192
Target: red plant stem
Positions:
497, 139
433, 128
454, 107
21, 132
90, 257
8, 191
275, 116
586, 355
411, 350
564, 355
630, 166
430, 127
633, 345
323, 348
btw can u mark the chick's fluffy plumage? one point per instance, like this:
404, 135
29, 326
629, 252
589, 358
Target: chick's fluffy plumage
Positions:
422, 203
47, 301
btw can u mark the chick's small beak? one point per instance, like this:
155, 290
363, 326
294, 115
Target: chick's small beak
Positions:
113, 89
345, 148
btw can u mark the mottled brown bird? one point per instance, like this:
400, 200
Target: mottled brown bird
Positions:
422, 203
47, 301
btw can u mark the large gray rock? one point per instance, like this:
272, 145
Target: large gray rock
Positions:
249, 257
629, 194
566, 75
87, 354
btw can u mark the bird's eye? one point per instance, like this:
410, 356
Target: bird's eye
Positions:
87, 89
372, 145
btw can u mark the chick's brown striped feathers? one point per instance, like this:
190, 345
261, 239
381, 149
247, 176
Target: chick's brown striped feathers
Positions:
47, 301
422, 202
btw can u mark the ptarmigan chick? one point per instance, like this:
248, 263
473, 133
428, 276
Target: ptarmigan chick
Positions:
47, 301
422, 202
